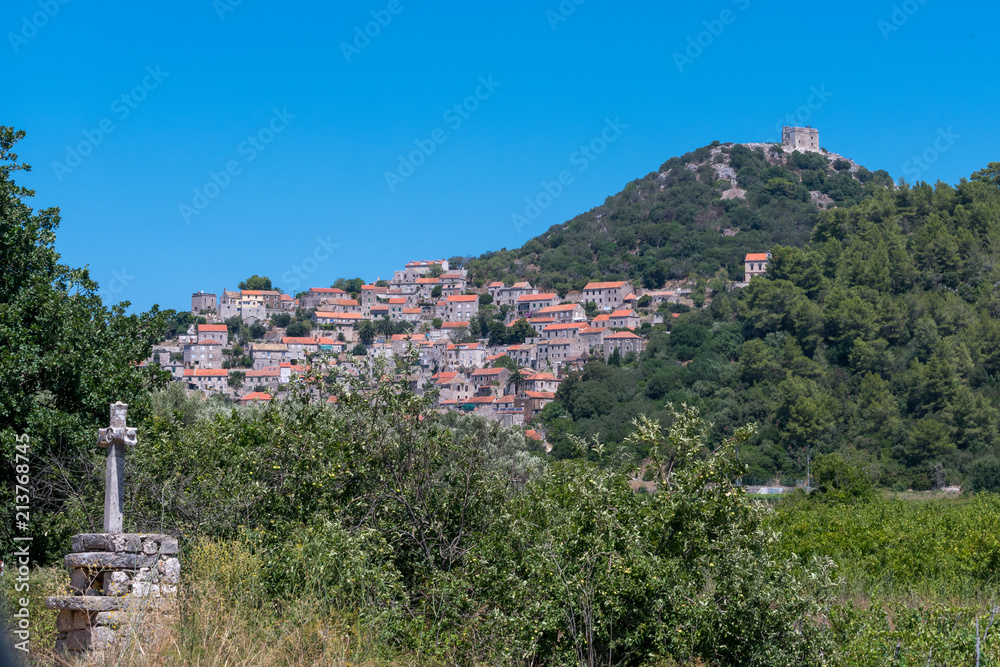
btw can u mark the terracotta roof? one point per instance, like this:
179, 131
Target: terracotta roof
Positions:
463, 298
542, 376
454, 325
537, 297
604, 317
345, 302
482, 400
378, 289
488, 371
611, 285
507, 399
623, 313
397, 302
270, 347
452, 276
409, 336
496, 283
539, 394
622, 334
300, 340
522, 285
532, 434
561, 308
339, 316
412, 311
212, 327
286, 297
563, 326
326, 290
273, 371
257, 396
428, 281
756, 257
206, 372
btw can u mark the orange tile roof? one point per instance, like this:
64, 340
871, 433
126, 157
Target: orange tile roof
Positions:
212, 327
327, 290
428, 281
206, 372
533, 434
537, 297
604, 317
482, 400
561, 308
397, 302
563, 326
273, 371
756, 257
378, 289
412, 311
522, 285
462, 298
339, 316
299, 340
539, 394
257, 396
611, 285
345, 302
622, 334
496, 283
623, 313
454, 325
488, 371
452, 276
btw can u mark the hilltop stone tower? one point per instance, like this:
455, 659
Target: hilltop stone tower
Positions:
800, 138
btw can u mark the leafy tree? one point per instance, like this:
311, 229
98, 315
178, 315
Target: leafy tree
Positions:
256, 282
359, 350
436, 292
298, 329
66, 357
385, 327
257, 331
281, 320
435, 271
236, 378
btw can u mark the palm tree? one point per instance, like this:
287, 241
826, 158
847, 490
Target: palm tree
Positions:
516, 378
366, 331
385, 327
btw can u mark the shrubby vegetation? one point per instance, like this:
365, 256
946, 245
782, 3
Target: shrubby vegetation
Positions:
874, 340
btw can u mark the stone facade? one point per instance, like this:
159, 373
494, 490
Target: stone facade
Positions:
201, 301
800, 138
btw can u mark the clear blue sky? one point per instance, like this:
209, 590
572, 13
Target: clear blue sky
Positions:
201, 77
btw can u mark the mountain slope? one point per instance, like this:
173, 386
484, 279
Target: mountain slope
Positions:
696, 214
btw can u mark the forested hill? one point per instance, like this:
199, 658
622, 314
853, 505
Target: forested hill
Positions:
878, 340
699, 213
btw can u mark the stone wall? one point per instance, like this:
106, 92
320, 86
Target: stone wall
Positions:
119, 583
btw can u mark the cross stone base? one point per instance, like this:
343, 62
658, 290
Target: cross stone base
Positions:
120, 583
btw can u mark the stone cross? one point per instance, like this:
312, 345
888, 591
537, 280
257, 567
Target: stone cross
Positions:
114, 439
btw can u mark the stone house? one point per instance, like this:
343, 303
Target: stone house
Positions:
206, 354
562, 330
624, 342
217, 332
494, 289
509, 296
592, 338
461, 307
342, 306
546, 382
454, 329
268, 354
270, 299
418, 269
567, 312
466, 355
800, 138
202, 302
269, 377
412, 315
209, 381
453, 386
524, 355
558, 352
370, 296
624, 319
318, 296
602, 321
490, 381
529, 304
396, 306
607, 295
755, 265
337, 319
532, 403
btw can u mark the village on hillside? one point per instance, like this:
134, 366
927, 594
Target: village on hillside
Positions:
239, 346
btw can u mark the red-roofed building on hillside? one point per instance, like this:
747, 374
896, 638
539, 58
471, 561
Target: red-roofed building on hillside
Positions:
461, 307
608, 296
562, 330
418, 269
755, 265
219, 332
567, 312
624, 342
370, 296
529, 304
318, 296
210, 381
541, 382
624, 319
267, 378
508, 296
255, 397
490, 381
602, 321
533, 402
206, 354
